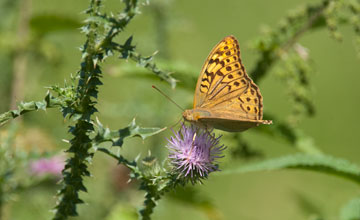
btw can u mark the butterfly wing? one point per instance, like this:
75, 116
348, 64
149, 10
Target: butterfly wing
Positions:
226, 52
229, 122
224, 88
235, 114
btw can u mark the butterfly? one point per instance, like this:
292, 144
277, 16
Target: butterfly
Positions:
225, 96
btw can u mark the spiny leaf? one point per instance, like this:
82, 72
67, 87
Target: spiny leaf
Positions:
319, 163
117, 136
24, 107
127, 48
127, 51
147, 63
183, 72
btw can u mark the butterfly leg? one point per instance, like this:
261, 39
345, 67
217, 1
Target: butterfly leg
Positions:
208, 129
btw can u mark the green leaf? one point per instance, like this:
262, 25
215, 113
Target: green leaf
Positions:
41, 105
319, 163
127, 52
351, 211
25, 107
127, 48
117, 136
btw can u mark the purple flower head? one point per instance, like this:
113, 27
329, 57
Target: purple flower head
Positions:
194, 151
52, 166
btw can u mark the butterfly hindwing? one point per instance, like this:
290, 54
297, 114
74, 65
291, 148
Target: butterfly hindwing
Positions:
247, 105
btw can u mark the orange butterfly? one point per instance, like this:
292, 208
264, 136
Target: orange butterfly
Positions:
225, 96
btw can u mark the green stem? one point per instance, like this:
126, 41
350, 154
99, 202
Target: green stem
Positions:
149, 204
270, 55
25, 107
76, 167
84, 106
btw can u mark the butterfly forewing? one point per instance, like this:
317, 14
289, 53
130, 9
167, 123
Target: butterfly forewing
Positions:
209, 84
225, 96
222, 69
224, 84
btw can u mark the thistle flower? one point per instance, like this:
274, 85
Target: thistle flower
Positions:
193, 152
52, 166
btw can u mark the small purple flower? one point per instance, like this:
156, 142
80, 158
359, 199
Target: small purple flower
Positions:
194, 151
52, 166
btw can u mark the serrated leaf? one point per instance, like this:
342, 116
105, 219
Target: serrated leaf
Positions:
76, 116
136, 130
127, 48
27, 106
127, 51
95, 82
319, 163
41, 105
24, 107
117, 136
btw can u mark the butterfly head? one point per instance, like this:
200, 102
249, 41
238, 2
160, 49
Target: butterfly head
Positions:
189, 115
193, 115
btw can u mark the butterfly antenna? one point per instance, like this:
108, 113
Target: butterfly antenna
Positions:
167, 97
175, 124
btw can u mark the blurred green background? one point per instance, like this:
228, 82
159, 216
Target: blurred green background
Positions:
192, 29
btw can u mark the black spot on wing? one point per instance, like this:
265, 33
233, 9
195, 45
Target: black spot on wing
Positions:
219, 73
